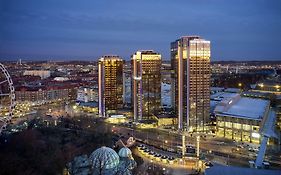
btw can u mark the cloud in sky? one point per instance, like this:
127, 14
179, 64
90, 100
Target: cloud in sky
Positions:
88, 29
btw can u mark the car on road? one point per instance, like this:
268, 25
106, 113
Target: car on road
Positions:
240, 146
171, 160
220, 143
157, 156
164, 158
171, 150
266, 165
151, 153
208, 164
146, 150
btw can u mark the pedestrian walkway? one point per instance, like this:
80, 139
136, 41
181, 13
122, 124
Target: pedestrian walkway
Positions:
266, 133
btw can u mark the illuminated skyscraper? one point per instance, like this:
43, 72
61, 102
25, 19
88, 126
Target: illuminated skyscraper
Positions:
146, 86
190, 60
110, 84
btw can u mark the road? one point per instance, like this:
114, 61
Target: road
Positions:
212, 147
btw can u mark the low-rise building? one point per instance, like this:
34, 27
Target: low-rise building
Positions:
269, 86
87, 94
41, 73
166, 120
43, 94
241, 118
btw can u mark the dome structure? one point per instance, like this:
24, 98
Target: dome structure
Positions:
104, 158
125, 152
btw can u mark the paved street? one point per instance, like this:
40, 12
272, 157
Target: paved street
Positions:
218, 150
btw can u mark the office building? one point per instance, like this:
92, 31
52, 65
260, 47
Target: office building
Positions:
242, 118
110, 84
146, 86
190, 62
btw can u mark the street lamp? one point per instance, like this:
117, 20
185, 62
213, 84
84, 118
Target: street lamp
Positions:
198, 145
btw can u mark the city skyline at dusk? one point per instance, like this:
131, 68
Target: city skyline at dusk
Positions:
140, 87
35, 30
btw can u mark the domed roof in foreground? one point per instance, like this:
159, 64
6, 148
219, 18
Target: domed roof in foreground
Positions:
105, 158
125, 152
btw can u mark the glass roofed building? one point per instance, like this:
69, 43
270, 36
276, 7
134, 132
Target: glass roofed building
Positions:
103, 161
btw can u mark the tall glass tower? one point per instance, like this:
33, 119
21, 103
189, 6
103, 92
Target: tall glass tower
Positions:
110, 84
146, 86
190, 61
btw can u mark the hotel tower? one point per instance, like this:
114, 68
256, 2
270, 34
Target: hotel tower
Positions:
110, 84
190, 61
146, 86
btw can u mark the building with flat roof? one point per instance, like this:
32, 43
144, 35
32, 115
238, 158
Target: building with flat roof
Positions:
40, 94
241, 118
110, 84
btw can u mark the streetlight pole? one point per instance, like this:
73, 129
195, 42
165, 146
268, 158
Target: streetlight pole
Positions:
198, 145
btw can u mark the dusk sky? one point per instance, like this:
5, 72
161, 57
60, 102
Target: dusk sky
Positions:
88, 29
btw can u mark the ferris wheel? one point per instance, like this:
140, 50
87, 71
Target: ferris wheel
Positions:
7, 98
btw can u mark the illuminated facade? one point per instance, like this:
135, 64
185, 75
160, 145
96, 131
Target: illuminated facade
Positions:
87, 94
242, 118
190, 61
41, 73
146, 86
110, 84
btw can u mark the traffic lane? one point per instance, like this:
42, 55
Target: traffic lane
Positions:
204, 145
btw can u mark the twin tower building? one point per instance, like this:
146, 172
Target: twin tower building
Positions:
190, 72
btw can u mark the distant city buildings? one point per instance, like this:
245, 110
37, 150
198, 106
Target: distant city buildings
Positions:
41, 73
269, 86
41, 94
110, 83
146, 86
190, 62
87, 94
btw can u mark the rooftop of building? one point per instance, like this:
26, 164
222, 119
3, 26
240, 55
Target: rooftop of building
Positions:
233, 90
243, 107
218, 96
256, 94
166, 116
217, 89
104, 157
91, 104
110, 57
88, 87
147, 51
48, 85
148, 121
